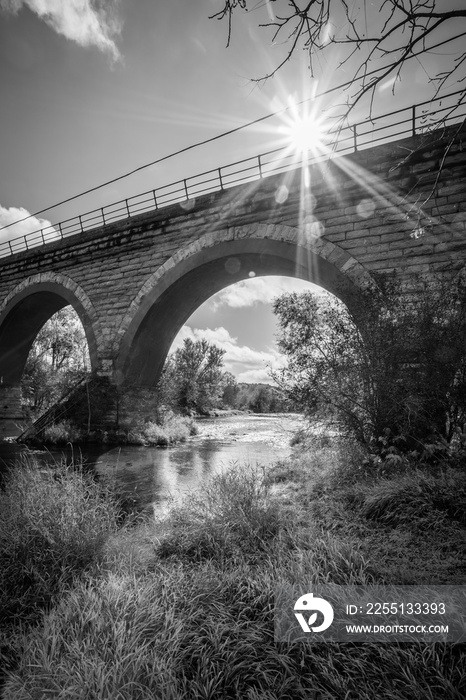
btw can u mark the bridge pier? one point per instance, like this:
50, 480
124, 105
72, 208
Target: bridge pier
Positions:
11, 414
134, 282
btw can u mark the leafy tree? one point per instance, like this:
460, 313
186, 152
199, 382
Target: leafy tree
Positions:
375, 41
261, 401
262, 398
193, 379
58, 357
391, 371
230, 390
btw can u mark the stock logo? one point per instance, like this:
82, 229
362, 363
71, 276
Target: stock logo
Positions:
307, 603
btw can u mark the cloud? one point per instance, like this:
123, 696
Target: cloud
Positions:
9, 216
255, 376
260, 290
87, 22
243, 362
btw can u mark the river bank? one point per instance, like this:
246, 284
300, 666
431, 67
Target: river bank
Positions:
153, 476
182, 606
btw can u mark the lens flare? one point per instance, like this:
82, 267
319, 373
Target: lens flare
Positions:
305, 134
303, 128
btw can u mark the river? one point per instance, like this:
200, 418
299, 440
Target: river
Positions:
154, 476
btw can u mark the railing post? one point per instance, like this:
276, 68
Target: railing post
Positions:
413, 120
103, 215
220, 178
11, 249
60, 229
355, 138
260, 166
81, 223
155, 199
42, 234
127, 207
26, 242
186, 189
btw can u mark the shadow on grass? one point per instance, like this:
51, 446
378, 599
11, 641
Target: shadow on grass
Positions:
183, 608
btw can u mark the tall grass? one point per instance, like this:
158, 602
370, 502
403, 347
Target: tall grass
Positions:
195, 633
183, 609
53, 522
232, 517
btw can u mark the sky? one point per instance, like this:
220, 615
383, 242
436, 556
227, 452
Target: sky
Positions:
91, 89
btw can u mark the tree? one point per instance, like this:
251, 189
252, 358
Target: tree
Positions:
193, 379
230, 390
376, 40
393, 369
58, 357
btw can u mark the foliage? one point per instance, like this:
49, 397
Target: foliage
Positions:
61, 433
58, 358
230, 391
171, 430
262, 398
391, 373
374, 44
193, 379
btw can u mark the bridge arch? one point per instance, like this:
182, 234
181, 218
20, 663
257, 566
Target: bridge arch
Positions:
212, 262
25, 310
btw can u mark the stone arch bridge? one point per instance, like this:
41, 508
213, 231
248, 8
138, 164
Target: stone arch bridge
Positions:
398, 206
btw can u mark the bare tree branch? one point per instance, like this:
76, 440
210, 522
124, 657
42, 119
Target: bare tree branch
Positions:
396, 32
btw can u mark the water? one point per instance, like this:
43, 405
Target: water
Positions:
155, 476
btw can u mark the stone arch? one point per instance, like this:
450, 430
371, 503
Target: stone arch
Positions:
25, 310
216, 260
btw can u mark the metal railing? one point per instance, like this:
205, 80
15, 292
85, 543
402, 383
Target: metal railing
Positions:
409, 121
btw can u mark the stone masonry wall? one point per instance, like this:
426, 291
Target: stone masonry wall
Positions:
367, 203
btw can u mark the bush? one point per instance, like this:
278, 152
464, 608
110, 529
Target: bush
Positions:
154, 434
178, 428
172, 430
61, 433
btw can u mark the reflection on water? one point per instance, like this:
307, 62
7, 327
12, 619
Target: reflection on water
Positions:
157, 475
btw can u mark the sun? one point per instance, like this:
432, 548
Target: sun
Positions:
303, 129
305, 134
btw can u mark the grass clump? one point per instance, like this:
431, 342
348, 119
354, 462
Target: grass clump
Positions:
416, 497
231, 516
53, 520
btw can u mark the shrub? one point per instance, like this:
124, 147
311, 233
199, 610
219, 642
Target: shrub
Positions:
178, 428
61, 433
173, 429
154, 434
